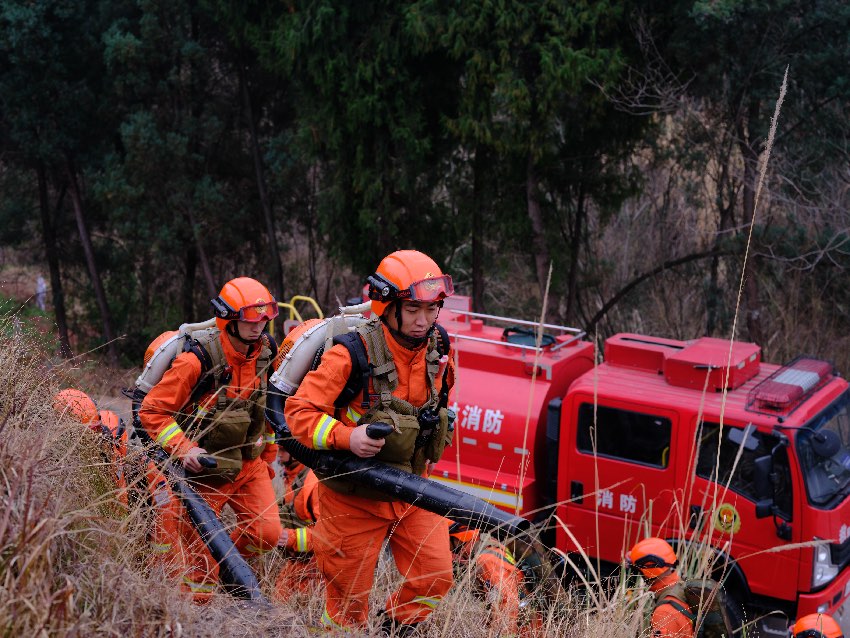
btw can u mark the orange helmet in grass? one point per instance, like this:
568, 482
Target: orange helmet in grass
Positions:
653, 557
407, 275
78, 404
816, 626
243, 299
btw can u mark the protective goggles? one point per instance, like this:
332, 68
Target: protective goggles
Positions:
430, 289
650, 561
254, 313
813, 633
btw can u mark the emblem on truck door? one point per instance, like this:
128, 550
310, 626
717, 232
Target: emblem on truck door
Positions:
726, 519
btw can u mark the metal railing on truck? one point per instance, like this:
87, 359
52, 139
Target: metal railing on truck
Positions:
577, 333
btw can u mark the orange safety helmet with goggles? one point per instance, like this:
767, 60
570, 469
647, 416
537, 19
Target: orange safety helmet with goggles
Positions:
243, 299
652, 557
816, 626
407, 275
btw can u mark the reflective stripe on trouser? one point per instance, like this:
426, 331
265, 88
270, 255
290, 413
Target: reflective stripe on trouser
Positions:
347, 540
252, 499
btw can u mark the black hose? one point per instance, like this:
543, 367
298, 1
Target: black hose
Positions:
434, 497
235, 575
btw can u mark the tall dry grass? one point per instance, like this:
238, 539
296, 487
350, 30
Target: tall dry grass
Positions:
74, 561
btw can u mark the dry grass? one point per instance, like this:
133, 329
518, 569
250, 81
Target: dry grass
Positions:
73, 560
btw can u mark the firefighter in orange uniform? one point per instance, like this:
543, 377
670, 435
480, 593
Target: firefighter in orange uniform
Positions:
210, 403
299, 511
163, 529
495, 571
816, 626
105, 422
656, 561
406, 383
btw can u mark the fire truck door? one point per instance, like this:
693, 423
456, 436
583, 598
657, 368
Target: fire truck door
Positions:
619, 474
729, 514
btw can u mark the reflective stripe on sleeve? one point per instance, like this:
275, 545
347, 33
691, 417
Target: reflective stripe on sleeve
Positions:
323, 431
352, 414
168, 433
198, 588
269, 438
301, 539
429, 601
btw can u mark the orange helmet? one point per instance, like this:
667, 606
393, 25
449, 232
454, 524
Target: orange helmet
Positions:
79, 404
407, 274
243, 299
816, 626
652, 556
462, 533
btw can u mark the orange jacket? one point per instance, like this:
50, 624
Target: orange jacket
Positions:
311, 414
667, 621
170, 396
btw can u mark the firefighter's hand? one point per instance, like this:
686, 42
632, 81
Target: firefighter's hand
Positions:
362, 445
283, 540
190, 459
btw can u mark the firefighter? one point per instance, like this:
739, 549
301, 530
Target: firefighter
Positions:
496, 573
656, 561
407, 387
210, 404
163, 527
299, 511
816, 626
106, 423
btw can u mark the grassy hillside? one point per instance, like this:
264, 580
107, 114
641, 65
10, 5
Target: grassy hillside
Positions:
75, 562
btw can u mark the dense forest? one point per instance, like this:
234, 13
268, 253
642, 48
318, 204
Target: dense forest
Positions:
149, 151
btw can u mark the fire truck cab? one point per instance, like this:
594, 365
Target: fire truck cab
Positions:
693, 441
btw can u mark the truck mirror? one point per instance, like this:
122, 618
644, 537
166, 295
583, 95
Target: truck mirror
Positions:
745, 437
764, 508
762, 467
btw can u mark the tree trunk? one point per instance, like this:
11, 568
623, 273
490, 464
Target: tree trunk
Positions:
49, 237
480, 201
750, 152
94, 273
259, 173
575, 246
538, 238
212, 289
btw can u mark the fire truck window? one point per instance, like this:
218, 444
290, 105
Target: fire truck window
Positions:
621, 434
742, 478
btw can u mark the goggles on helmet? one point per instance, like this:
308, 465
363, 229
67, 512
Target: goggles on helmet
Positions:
650, 561
812, 633
430, 289
255, 313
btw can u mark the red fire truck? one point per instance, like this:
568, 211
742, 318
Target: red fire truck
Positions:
647, 440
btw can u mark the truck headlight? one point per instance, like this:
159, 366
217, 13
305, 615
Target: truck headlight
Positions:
824, 569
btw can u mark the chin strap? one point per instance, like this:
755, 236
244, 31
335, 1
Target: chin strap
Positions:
406, 340
234, 332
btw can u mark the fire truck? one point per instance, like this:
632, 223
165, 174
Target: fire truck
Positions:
693, 441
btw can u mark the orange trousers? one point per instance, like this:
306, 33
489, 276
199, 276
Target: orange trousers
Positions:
347, 541
164, 528
258, 527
